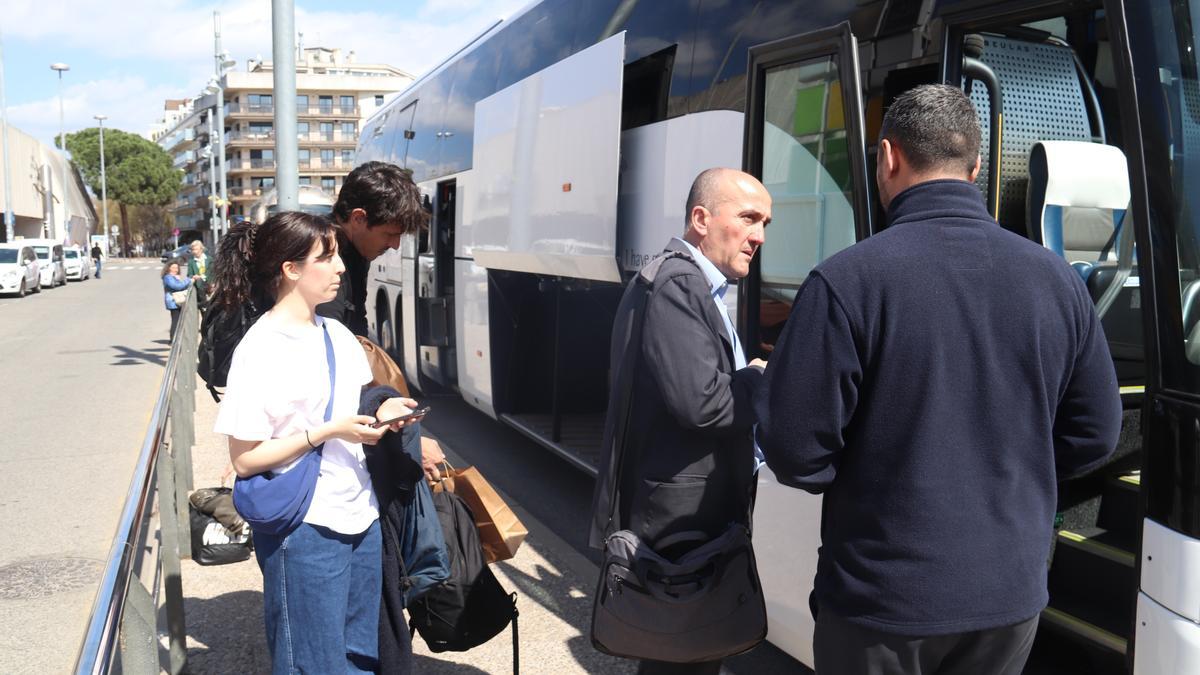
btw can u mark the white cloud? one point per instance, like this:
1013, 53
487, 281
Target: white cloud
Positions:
125, 100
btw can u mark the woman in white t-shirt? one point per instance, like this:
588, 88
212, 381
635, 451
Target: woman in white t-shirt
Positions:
322, 581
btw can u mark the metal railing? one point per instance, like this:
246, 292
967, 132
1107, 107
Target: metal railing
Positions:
122, 632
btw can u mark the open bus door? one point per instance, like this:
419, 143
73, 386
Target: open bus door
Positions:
804, 141
435, 291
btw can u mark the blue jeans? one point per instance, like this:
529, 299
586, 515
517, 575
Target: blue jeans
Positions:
97, 268
314, 580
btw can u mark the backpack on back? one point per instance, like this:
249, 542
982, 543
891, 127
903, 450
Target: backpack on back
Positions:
470, 607
220, 332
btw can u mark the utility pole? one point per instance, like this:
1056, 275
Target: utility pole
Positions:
283, 37
60, 68
103, 176
221, 62
8, 210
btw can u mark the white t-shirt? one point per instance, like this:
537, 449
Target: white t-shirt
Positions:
278, 386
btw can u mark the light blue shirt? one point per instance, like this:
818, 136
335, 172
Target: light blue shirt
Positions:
719, 285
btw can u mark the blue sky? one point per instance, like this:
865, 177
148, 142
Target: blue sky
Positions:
126, 58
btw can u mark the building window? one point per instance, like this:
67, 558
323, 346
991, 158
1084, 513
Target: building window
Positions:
379, 99
260, 128
347, 158
301, 103
328, 183
348, 130
259, 102
327, 158
301, 129
327, 131
305, 180
326, 104
303, 157
347, 104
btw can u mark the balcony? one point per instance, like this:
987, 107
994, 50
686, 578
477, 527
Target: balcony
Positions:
252, 165
252, 138
319, 164
327, 110
180, 138
328, 138
184, 158
248, 110
245, 194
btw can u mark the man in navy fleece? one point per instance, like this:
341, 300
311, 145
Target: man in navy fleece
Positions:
936, 381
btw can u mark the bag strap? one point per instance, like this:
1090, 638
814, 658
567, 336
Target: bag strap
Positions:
625, 382
332, 363
516, 649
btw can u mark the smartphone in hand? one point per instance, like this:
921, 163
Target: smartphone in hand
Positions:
413, 416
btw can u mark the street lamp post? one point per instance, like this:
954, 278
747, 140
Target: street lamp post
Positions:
60, 68
222, 62
8, 210
103, 177
212, 179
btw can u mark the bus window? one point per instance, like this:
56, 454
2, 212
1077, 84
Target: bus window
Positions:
806, 168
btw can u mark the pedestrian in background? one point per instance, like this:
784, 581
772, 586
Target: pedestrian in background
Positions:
322, 581
198, 269
936, 381
173, 282
97, 254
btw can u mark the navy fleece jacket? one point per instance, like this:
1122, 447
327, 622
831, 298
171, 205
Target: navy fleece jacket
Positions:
935, 382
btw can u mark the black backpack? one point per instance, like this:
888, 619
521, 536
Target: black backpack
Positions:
220, 332
470, 607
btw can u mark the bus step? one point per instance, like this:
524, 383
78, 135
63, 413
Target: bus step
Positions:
1119, 509
580, 438
1077, 645
1094, 577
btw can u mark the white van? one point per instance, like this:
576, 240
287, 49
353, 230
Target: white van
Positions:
19, 269
50, 260
76, 263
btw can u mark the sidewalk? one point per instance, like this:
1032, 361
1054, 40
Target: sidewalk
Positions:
223, 604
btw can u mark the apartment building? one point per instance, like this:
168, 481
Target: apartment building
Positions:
334, 95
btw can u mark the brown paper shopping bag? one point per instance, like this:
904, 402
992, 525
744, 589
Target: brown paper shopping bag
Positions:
500, 531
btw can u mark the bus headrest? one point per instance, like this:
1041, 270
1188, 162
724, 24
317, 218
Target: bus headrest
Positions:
1073, 174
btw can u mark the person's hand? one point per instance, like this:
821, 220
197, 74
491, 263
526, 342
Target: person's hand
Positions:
196, 277
432, 458
352, 429
758, 363
395, 407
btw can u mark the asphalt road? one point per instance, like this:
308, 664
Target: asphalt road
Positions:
79, 366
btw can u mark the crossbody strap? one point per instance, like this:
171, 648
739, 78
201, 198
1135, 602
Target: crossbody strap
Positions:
332, 363
625, 382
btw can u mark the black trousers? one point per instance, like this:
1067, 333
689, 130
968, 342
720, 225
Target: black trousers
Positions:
174, 322
843, 648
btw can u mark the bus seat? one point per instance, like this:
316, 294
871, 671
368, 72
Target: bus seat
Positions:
1043, 100
1078, 193
1077, 201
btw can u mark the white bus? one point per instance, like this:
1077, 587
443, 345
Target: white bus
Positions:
313, 200
557, 148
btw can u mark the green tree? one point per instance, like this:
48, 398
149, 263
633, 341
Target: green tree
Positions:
139, 172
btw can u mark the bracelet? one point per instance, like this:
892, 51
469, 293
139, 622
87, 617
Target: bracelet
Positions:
307, 440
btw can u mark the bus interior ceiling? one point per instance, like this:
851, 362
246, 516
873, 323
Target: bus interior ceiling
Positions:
550, 337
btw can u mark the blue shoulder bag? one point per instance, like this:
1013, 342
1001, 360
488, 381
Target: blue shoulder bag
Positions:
277, 503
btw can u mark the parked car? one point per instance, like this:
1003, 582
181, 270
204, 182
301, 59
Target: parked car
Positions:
50, 261
19, 269
76, 263
182, 254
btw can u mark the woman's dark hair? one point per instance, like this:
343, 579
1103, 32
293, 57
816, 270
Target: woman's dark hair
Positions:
167, 267
386, 192
250, 257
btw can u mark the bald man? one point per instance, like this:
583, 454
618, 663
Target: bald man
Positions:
682, 395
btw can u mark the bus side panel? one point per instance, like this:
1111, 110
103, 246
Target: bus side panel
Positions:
659, 162
471, 324
408, 304
787, 533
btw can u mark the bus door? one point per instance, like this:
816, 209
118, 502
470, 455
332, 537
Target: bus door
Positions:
435, 291
804, 141
1051, 96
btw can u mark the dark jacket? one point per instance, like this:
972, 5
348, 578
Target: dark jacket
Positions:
396, 476
689, 457
935, 382
350, 304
